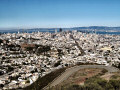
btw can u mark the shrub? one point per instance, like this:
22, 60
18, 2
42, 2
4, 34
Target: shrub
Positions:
93, 86
104, 71
97, 81
115, 84
109, 87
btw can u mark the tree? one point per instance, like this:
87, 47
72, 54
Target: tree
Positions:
109, 86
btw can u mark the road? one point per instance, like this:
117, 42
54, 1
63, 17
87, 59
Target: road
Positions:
72, 70
81, 50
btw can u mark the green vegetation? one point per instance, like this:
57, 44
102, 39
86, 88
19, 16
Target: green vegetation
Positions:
95, 82
102, 72
92, 83
57, 63
42, 49
60, 53
80, 63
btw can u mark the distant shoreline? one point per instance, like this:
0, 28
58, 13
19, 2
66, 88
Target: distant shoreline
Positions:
90, 29
53, 31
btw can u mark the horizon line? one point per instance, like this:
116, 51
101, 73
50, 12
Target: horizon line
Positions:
14, 28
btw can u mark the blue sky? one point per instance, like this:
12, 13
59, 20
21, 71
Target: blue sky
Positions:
58, 13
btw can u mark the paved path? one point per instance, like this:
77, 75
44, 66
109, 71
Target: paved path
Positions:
72, 70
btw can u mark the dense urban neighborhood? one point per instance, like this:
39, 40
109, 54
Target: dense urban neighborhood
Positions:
24, 57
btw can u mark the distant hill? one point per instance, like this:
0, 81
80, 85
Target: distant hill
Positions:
98, 28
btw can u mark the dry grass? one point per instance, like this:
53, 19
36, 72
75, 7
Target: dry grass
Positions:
116, 76
111, 76
80, 76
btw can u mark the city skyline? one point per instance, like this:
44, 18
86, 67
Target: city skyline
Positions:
58, 13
